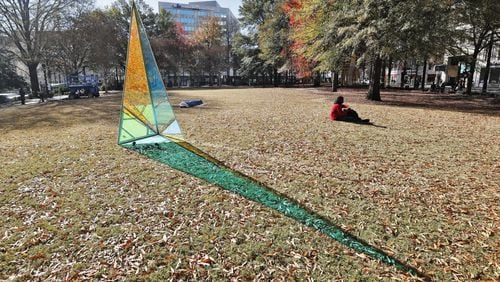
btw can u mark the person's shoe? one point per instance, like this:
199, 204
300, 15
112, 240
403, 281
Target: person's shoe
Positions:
367, 120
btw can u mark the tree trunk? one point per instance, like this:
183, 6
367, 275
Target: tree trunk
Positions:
403, 75
116, 78
488, 65
35, 87
317, 79
210, 79
470, 74
374, 90
335, 81
383, 74
424, 73
275, 77
389, 71
415, 83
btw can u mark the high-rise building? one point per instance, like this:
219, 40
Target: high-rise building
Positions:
192, 14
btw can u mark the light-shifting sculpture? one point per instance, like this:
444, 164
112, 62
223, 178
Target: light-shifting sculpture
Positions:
149, 127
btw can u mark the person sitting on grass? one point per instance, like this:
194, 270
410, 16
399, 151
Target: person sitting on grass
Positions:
342, 112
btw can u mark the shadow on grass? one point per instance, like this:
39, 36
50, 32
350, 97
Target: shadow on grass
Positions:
449, 102
189, 159
61, 113
363, 123
476, 104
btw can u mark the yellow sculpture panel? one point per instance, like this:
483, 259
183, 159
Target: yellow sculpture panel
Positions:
136, 99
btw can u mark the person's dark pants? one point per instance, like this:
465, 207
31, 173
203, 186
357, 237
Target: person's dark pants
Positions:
351, 116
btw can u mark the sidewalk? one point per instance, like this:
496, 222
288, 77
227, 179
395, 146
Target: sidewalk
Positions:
16, 101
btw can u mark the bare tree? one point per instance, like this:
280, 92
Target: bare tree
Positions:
105, 43
26, 23
70, 43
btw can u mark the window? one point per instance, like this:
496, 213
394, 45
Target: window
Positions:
187, 12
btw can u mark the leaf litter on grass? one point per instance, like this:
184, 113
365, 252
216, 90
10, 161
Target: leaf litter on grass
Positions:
76, 206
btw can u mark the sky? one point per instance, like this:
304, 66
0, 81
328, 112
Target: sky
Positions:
231, 4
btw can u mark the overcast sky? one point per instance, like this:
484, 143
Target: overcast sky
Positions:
231, 4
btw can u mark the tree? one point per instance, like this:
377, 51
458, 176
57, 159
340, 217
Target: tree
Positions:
251, 63
314, 41
26, 23
488, 61
268, 28
170, 45
254, 13
476, 20
120, 12
423, 40
274, 40
369, 31
105, 45
9, 79
69, 46
230, 30
208, 44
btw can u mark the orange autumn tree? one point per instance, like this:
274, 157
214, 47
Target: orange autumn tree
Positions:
313, 39
301, 64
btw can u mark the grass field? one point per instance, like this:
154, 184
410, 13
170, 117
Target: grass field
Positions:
423, 185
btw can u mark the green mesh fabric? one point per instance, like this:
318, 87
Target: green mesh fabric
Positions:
180, 158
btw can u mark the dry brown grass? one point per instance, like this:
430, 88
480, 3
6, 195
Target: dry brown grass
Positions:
74, 205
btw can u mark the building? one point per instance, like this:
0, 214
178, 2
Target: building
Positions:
193, 14
451, 70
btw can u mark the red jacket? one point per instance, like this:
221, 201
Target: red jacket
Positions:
337, 112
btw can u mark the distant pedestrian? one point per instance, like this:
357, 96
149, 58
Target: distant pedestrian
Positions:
42, 96
23, 96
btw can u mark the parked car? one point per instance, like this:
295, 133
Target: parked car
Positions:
83, 85
9, 97
58, 88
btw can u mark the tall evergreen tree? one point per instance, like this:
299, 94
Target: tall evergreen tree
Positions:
268, 26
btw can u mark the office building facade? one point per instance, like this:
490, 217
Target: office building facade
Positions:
193, 14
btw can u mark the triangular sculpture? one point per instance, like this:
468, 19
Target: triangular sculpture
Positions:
146, 116
148, 126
